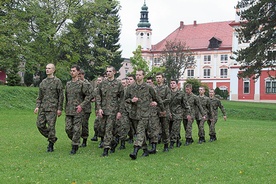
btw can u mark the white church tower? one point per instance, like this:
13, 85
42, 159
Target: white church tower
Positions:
144, 32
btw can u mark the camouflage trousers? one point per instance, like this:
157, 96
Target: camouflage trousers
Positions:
164, 121
200, 125
85, 126
154, 128
73, 126
107, 126
188, 127
123, 127
212, 124
142, 127
133, 128
46, 122
97, 127
175, 130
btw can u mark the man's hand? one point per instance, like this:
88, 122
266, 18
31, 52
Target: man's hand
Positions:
59, 112
79, 109
189, 117
134, 99
36, 110
224, 117
119, 115
100, 113
153, 104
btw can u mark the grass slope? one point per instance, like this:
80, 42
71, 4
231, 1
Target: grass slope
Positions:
244, 152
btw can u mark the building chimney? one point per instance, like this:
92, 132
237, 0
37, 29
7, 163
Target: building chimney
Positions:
194, 22
181, 25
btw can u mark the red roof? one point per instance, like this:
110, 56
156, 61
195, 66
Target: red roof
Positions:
197, 36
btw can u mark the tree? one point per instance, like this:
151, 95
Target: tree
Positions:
176, 59
138, 62
258, 26
105, 49
12, 39
61, 32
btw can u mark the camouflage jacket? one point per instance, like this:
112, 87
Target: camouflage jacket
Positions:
50, 96
179, 105
194, 104
207, 107
145, 93
165, 93
76, 93
110, 97
215, 102
87, 108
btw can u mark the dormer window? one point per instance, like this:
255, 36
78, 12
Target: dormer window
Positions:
214, 43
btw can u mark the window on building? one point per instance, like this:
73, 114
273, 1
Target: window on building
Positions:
223, 72
224, 58
190, 73
246, 87
207, 59
270, 86
126, 71
207, 73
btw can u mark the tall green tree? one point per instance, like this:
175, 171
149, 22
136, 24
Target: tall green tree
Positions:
105, 46
62, 32
138, 62
258, 27
176, 57
12, 38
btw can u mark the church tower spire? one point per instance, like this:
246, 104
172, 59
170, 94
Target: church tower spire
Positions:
144, 32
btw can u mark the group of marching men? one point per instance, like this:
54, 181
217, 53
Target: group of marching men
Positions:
132, 109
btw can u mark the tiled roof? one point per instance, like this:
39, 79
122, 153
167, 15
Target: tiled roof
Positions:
197, 36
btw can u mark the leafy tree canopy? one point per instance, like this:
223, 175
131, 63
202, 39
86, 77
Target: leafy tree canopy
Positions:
258, 27
176, 58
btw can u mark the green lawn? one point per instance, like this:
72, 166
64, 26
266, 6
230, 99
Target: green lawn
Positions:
245, 151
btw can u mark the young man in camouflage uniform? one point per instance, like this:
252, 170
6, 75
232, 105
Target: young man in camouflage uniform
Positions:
165, 93
109, 101
178, 105
131, 80
206, 105
97, 121
77, 96
140, 95
87, 110
194, 104
123, 124
49, 105
154, 122
215, 102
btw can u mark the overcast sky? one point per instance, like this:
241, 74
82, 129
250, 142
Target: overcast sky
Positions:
165, 17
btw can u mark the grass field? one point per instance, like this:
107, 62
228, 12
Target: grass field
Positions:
245, 151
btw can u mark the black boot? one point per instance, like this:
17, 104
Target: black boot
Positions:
178, 143
133, 155
74, 149
105, 152
123, 145
189, 141
146, 153
95, 138
166, 147
171, 145
153, 150
50, 147
201, 140
84, 143
113, 147
213, 138
101, 143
